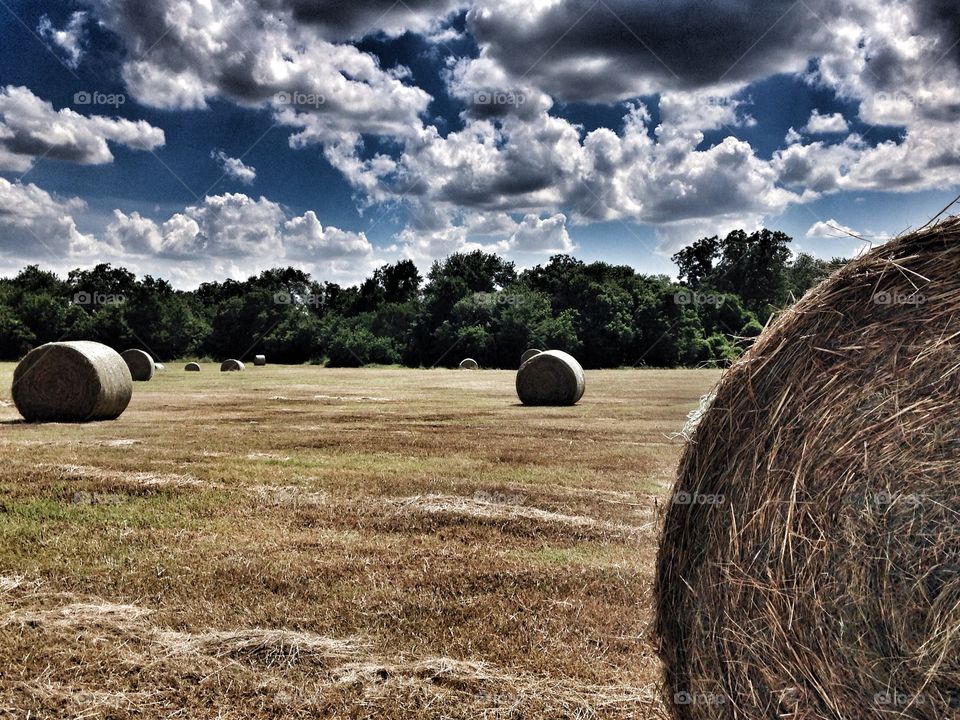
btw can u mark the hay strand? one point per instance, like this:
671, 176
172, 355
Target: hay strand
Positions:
231, 366
550, 378
72, 382
809, 565
140, 363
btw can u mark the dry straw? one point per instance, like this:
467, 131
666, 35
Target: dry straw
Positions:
231, 366
140, 363
469, 364
528, 354
71, 382
192, 367
550, 378
809, 565
259, 360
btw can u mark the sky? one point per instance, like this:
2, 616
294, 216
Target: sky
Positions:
211, 139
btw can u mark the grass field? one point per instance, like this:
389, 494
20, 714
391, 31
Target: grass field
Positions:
300, 542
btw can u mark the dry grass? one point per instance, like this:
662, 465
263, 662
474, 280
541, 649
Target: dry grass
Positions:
304, 543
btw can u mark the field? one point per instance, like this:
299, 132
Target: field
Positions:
300, 542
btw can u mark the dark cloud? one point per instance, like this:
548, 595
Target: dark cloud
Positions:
942, 18
579, 50
352, 20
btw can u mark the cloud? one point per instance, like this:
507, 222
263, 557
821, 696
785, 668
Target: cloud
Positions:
181, 55
825, 124
456, 184
70, 40
617, 49
831, 229
36, 225
338, 20
242, 232
31, 128
234, 168
541, 235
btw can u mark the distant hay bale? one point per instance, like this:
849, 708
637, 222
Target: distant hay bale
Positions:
72, 382
259, 360
550, 378
528, 354
231, 366
809, 565
469, 364
140, 363
192, 367
160, 367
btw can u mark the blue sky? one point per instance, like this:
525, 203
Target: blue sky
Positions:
616, 131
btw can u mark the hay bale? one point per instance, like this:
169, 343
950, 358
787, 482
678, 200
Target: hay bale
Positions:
140, 363
192, 367
809, 565
528, 354
72, 382
550, 378
231, 366
259, 360
160, 367
469, 364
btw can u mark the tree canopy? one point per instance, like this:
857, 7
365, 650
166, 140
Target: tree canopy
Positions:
470, 304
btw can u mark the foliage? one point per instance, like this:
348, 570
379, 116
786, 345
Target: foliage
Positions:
470, 304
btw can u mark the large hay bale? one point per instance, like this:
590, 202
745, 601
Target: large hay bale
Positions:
550, 378
528, 354
72, 382
469, 364
192, 367
140, 363
259, 360
231, 366
810, 560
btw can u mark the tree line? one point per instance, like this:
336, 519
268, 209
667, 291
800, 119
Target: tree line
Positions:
469, 305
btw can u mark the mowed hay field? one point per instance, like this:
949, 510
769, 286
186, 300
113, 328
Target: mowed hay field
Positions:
301, 542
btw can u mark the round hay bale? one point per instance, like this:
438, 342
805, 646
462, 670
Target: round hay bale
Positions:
259, 360
140, 363
231, 366
469, 364
192, 367
160, 367
528, 354
552, 377
72, 382
809, 565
